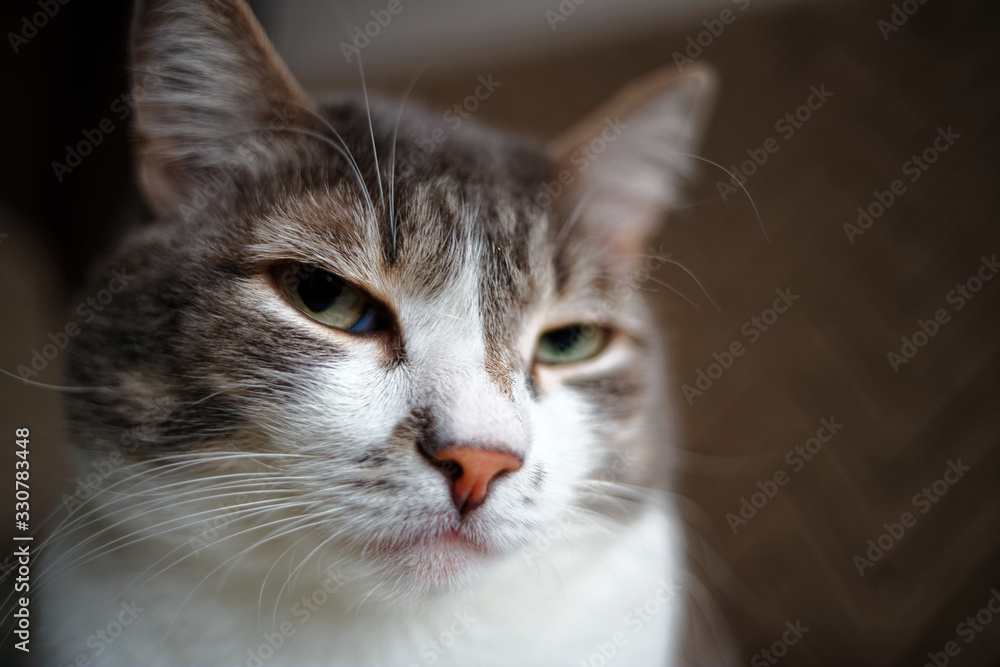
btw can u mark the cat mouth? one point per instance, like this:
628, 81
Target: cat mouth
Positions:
450, 541
458, 538
453, 540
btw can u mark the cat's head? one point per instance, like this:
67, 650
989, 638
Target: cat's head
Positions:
412, 366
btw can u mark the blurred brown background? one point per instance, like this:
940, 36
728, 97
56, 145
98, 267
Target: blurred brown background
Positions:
825, 358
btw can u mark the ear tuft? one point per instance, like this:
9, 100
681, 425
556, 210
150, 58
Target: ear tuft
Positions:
210, 82
633, 154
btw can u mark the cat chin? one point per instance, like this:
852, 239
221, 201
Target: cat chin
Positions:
432, 572
406, 575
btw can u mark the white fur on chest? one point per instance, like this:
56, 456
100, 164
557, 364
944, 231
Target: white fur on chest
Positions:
586, 593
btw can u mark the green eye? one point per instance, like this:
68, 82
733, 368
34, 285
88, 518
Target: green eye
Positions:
326, 298
570, 344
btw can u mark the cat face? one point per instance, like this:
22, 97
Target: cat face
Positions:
406, 372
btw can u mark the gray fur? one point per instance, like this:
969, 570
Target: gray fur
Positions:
471, 260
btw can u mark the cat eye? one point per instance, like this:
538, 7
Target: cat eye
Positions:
571, 344
326, 298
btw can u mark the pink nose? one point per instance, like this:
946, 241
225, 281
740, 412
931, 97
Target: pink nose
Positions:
472, 470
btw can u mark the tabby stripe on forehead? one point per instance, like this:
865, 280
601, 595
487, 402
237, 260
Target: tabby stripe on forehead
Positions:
502, 304
508, 283
429, 236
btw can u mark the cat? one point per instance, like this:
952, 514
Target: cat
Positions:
355, 410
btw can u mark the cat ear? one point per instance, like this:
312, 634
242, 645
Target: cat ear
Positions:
210, 93
627, 161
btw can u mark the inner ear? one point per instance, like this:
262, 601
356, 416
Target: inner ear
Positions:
211, 93
629, 158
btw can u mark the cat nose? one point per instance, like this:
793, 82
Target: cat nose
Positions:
470, 471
